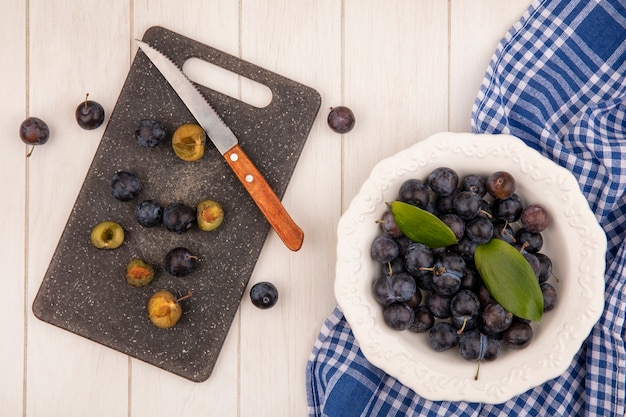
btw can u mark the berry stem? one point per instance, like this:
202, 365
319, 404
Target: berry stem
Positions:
184, 297
460, 331
30, 151
86, 97
524, 246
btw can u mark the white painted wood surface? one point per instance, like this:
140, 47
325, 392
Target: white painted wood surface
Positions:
407, 68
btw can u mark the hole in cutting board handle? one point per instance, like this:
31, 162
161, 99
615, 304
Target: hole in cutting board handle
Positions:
227, 82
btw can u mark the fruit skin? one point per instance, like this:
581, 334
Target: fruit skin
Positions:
439, 305
188, 142
341, 119
148, 213
480, 230
476, 346
518, 336
209, 215
139, 273
264, 295
443, 181
416, 192
534, 218
443, 336
164, 309
423, 321
180, 261
455, 223
496, 319
125, 185
384, 249
34, 131
399, 287
178, 218
509, 209
549, 296
474, 183
107, 235
399, 316
466, 204
500, 185
388, 224
149, 133
89, 114
545, 267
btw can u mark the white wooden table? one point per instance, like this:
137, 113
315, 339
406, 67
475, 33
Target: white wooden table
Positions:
407, 68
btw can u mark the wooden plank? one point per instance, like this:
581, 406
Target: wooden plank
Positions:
300, 40
13, 173
154, 391
68, 375
476, 29
396, 61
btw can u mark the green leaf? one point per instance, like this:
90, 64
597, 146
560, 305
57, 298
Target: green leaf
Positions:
421, 226
510, 279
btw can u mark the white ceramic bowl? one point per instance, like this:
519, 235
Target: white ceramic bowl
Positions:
574, 241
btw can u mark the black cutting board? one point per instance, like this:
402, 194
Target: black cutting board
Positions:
83, 290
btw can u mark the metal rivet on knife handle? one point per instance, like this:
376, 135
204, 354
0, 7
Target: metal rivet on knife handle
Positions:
264, 197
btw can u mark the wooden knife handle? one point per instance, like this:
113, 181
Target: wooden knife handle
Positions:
264, 197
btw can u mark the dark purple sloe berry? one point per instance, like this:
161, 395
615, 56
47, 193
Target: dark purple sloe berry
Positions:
443, 336
545, 267
149, 133
534, 218
180, 262
475, 346
467, 204
34, 131
388, 224
125, 185
384, 249
496, 319
341, 119
423, 321
89, 114
398, 316
474, 183
179, 218
518, 336
508, 210
455, 223
443, 181
549, 296
149, 213
415, 192
264, 295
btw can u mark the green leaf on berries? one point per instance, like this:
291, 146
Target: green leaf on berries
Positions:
421, 226
510, 279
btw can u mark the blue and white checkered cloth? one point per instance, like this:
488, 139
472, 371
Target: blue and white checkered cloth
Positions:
558, 81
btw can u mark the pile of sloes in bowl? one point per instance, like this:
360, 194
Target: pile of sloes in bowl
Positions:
439, 291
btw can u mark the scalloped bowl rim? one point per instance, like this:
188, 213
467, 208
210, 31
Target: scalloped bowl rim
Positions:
574, 240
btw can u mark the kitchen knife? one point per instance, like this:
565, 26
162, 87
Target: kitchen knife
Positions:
227, 144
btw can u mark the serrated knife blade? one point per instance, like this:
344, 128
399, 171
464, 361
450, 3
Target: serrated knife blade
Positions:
228, 145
